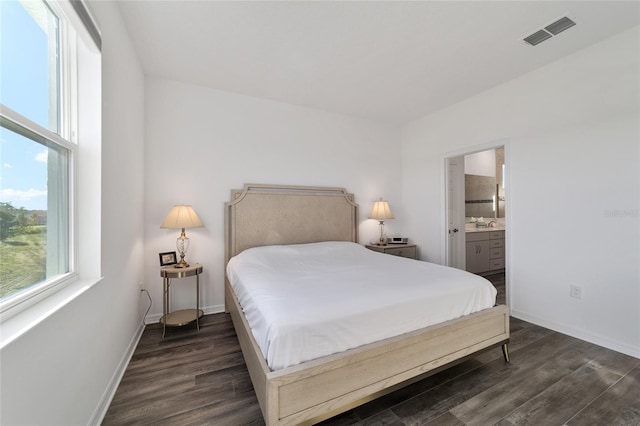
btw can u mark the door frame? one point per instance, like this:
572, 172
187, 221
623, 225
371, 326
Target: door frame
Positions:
444, 187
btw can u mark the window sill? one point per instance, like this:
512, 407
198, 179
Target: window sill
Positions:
21, 323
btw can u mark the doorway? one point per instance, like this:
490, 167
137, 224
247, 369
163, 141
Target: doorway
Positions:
476, 215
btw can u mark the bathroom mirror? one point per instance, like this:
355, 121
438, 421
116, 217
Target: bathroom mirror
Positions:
481, 190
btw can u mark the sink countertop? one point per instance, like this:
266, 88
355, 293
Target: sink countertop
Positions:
471, 227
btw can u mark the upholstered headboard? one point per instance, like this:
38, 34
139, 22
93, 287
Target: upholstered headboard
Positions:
261, 215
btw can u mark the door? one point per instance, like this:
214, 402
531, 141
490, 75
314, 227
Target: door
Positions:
455, 212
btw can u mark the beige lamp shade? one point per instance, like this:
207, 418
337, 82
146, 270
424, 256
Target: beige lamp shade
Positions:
381, 210
182, 216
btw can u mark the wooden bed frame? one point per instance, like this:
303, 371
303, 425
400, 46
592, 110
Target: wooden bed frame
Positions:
313, 391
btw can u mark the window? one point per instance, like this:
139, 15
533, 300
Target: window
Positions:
38, 149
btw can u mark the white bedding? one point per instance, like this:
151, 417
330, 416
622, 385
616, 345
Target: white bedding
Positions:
310, 300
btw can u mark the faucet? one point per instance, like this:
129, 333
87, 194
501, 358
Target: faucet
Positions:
492, 224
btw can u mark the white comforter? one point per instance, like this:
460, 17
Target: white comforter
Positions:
310, 300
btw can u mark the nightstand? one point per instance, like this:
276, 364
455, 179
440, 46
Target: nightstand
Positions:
402, 250
183, 316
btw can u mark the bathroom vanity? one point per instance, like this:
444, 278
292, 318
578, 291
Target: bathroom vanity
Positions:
485, 249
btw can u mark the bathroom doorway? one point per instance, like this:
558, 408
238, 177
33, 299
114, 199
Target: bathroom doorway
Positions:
476, 230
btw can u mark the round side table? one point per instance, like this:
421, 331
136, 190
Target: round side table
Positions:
183, 316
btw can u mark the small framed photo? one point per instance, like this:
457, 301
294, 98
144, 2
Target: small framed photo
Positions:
168, 258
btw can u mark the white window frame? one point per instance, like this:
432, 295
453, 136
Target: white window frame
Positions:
70, 27
33, 131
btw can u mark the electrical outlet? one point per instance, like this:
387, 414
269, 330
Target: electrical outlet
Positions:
575, 291
140, 285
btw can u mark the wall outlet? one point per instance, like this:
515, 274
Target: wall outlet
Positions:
575, 291
141, 285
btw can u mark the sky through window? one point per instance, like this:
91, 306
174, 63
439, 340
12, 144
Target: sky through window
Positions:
25, 88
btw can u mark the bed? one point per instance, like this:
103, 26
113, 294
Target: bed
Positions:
321, 387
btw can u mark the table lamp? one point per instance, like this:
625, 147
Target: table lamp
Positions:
381, 212
182, 216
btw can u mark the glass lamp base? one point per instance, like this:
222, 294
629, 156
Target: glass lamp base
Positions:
382, 241
182, 245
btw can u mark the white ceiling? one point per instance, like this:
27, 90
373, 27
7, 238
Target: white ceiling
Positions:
387, 61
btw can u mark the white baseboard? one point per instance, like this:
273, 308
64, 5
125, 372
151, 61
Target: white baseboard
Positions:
215, 309
596, 339
110, 391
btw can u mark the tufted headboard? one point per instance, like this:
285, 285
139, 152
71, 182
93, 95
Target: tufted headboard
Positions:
261, 215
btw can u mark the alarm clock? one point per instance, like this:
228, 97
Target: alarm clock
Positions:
397, 240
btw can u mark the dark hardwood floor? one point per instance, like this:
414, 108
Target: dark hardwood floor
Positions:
200, 378
499, 282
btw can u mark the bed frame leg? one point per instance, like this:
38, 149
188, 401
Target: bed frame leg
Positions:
505, 352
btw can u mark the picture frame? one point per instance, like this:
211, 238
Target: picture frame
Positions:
168, 258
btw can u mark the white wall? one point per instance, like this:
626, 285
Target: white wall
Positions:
201, 143
481, 163
62, 372
572, 137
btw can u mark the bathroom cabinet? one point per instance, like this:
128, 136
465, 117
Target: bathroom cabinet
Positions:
485, 251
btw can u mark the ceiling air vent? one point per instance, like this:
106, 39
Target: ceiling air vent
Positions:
537, 37
560, 25
549, 31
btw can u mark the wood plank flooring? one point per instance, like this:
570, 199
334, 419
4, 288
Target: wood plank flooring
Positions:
499, 282
200, 378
